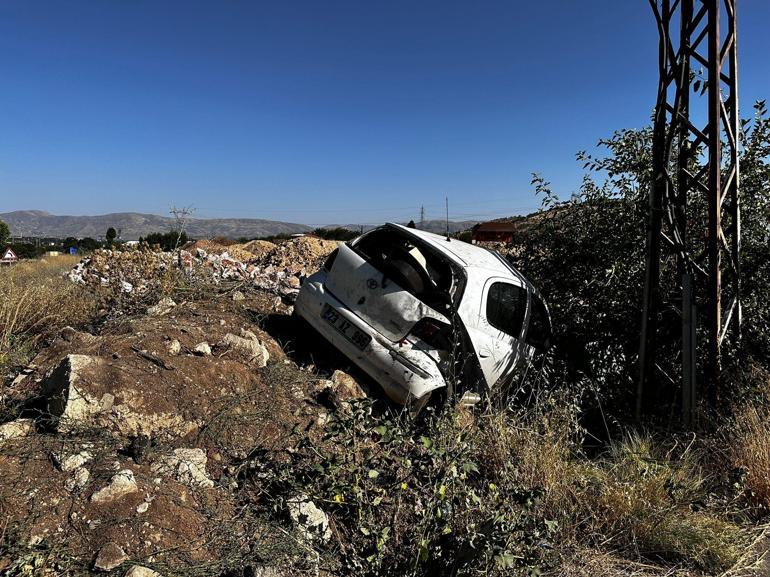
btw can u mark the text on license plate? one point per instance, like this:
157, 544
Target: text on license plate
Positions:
345, 327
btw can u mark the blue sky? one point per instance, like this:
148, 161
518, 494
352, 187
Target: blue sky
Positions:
322, 112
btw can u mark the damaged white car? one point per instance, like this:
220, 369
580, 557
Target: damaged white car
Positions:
425, 316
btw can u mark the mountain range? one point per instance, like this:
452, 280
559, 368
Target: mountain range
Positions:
132, 225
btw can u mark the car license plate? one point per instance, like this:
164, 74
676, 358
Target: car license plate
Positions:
345, 327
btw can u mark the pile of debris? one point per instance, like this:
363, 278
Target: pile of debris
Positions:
277, 268
133, 271
132, 454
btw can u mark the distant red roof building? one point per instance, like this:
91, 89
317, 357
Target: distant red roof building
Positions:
493, 232
8, 256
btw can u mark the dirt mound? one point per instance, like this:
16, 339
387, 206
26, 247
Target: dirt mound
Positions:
234, 251
258, 248
141, 437
304, 254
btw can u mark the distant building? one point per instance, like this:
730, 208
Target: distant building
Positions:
9, 257
493, 232
52, 253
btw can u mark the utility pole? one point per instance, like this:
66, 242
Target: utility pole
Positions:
422, 217
694, 212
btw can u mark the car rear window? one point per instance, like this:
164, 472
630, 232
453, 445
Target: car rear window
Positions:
506, 305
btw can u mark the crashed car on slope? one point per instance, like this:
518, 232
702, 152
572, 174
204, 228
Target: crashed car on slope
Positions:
426, 316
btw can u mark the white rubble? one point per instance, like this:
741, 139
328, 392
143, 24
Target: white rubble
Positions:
16, 429
121, 484
164, 306
312, 521
248, 344
188, 466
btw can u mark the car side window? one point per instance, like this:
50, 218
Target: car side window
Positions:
539, 331
506, 305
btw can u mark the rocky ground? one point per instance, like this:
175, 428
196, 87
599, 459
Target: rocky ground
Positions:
131, 444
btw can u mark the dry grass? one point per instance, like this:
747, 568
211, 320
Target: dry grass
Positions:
749, 450
637, 502
35, 301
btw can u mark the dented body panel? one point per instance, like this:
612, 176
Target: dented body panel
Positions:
404, 301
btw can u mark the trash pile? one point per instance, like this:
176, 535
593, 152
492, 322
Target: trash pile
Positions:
277, 268
135, 271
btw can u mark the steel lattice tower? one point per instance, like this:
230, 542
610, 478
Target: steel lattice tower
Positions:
692, 165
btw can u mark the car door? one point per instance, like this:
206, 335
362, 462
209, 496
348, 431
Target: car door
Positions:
376, 299
498, 334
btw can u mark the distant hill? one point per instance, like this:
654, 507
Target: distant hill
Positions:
133, 225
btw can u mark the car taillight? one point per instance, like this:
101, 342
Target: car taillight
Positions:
432, 332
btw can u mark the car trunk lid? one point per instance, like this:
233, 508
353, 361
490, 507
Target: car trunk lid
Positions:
390, 309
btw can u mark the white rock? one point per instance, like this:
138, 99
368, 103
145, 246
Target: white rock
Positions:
66, 397
174, 347
16, 429
139, 571
256, 351
164, 306
346, 386
74, 461
121, 484
203, 349
78, 480
188, 466
142, 507
311, 520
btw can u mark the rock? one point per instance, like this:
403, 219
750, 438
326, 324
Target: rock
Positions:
174, 347
266, 571
68, 334
256, 351
188, 466
121, 484
65, 391
75, 397
106, 402
142, 507
139, 571
311, 520
73, 461
164, 306
346, 386
238, 296
202, 349
16, 429
109, 557
78, 480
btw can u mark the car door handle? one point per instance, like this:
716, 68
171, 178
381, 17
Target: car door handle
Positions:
484, 353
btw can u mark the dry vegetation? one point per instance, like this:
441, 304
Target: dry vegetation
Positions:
36, 300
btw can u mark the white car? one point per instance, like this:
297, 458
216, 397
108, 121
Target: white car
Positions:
424, 315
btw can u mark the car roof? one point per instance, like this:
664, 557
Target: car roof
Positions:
468, 255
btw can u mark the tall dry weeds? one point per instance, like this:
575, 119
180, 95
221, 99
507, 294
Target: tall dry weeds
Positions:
36, 300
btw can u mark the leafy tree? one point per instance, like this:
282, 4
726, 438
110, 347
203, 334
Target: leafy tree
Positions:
111, 235
411, 224
587, 255
338, 233
165, 240
5, 233
88, 243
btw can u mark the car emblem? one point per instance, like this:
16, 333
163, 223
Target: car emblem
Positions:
372, 284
